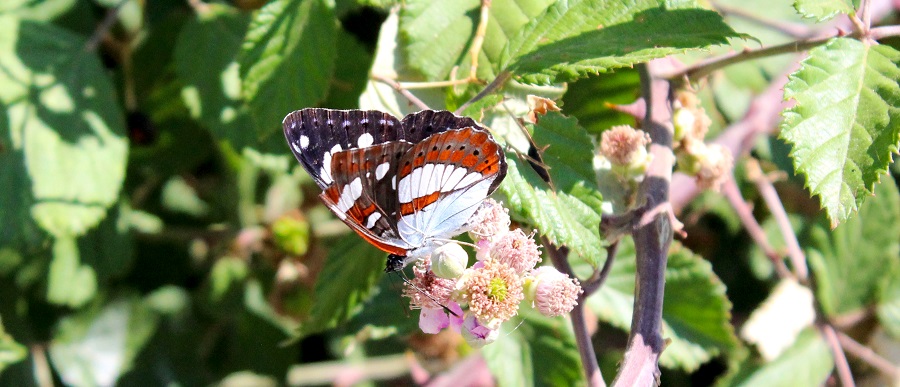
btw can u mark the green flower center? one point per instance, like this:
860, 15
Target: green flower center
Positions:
497, 291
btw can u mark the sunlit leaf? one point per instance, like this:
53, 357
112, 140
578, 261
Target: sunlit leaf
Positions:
845, 124
65, 128
807, 363
574, 39
11, 352
822, 10
287, 59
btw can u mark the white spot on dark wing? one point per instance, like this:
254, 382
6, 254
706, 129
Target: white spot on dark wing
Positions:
381, 170
365, 140
325, 175
336, 148
304, 141
296, 147
370, 222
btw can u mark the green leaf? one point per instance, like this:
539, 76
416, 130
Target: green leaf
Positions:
45, 10
851, 261
100, 343
889, 303
568, 215
574, 39
440, 33
696, 311
65, 129
69, 282
844, 126
206, 62
352, 268
287, 59
822, 10
11, 352
351, 72
581, 99
807, 363
539, 351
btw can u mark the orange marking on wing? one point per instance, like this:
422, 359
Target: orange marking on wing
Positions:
419, 203
390, 249
469, 161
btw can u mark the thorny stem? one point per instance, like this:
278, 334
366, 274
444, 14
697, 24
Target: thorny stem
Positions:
776, 208
640, 366
869, 356
745, 213
559, 257
400, 89
591, 285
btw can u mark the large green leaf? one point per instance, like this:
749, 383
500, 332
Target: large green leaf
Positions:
570, 214
206, 63
696, 311
822, 10
287, 59
351, 270
574, 39
846, 121
807, 363
64, 128
539, 351
851, 261
439, 33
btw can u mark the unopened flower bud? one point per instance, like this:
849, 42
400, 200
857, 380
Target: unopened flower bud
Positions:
478, 335
683, 120
449, 260
554, 293
626, 149
715, 167
517, 251
490, 221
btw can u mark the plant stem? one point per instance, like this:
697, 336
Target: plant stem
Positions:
490, 88
591, 285
400, 89
840, 360
651, 237
869, 356
559, 257
745, 213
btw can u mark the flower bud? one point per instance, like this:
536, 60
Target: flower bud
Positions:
478, 335
626, 150
517, 251
449, 260
490, 221
554, 293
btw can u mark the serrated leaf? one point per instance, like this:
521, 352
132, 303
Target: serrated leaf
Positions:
439, 33
205, 59
807, 363
822, 10
351, 270
851, 261
696, 311
65, 128
287, 59
846, 121
539, 351
100, 343
11, 352
621, 87
570, 215
565, 45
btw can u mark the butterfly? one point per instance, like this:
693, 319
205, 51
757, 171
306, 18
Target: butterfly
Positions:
404, 186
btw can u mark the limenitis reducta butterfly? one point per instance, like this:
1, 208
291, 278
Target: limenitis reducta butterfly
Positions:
404, 186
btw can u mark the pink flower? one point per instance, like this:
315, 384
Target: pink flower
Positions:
478, 335
555, 294
433, 320
491, 220
492, 291
516, 250
426, 290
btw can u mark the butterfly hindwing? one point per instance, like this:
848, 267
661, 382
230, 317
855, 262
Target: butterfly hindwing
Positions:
363, 193
442, 181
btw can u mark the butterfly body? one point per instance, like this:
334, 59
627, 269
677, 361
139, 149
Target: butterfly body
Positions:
404, 186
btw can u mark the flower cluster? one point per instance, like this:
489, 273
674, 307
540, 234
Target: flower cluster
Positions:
710, 164
626, 149
476, 300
